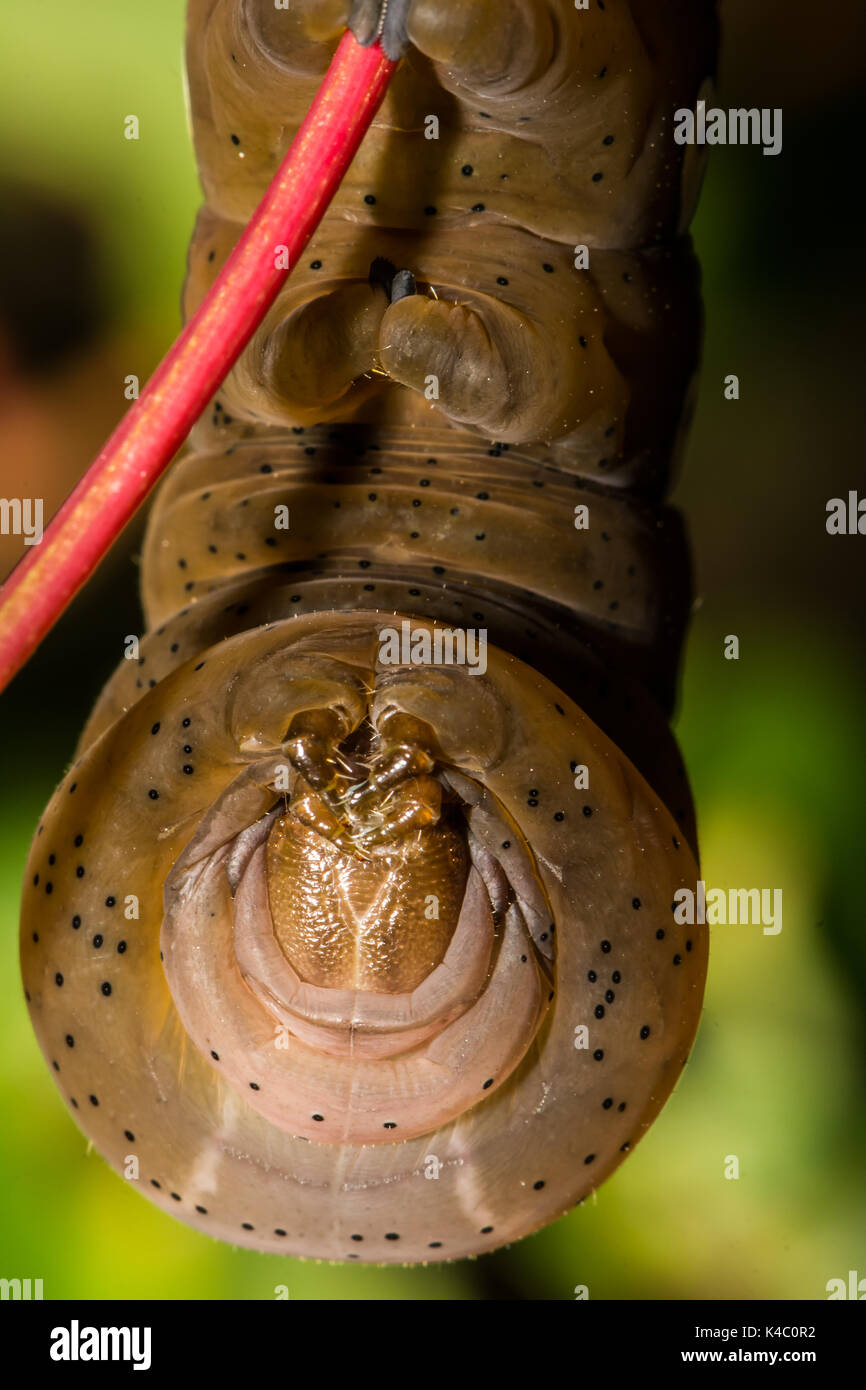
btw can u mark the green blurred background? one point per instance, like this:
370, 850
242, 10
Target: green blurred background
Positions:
774, 742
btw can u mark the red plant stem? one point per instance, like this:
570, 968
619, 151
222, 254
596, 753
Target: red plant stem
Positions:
148, 437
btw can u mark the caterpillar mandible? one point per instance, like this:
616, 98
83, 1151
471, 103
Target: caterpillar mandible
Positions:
352, 920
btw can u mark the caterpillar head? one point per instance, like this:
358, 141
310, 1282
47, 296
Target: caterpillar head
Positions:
374, 920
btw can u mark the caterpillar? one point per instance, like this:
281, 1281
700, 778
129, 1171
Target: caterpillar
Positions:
349, 932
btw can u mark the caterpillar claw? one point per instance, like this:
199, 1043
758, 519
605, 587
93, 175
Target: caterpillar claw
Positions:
384, 20
402, 286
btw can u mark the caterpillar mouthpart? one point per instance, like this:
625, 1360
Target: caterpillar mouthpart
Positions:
369, 994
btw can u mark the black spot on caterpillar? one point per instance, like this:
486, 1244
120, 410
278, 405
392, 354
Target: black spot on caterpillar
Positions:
370, 979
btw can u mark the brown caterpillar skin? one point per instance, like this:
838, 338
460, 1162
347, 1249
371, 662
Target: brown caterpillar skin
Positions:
300, 1053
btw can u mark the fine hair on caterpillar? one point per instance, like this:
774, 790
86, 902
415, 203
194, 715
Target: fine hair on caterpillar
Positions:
391, 780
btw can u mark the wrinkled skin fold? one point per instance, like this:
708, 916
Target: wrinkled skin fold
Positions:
365, 957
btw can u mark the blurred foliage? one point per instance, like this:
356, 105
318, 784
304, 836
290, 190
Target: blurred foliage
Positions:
774, 742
